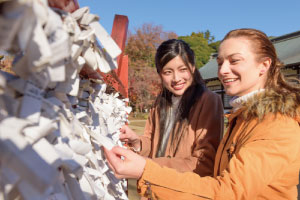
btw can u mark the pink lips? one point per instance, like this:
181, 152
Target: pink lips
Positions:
178, 87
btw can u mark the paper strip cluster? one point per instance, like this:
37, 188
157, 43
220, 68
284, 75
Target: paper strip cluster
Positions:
53, 122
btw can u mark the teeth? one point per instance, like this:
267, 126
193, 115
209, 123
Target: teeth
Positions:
176, 86
229, 80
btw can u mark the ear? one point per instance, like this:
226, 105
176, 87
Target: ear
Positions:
265, 66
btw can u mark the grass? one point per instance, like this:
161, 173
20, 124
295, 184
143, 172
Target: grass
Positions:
132, 191
139, 123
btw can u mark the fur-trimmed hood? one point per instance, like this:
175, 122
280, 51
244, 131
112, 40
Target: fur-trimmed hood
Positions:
270, 101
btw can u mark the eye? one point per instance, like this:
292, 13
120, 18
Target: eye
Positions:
167, 72
219, 63
234, 61
183, 69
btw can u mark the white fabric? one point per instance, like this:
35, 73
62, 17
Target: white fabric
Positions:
236, 101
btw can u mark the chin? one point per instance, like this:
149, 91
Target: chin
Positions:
178, 93
230, 93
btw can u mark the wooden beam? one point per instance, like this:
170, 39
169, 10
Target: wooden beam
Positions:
119, 34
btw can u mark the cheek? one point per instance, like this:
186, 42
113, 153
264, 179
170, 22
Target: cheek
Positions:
165, 80
219, 75
188, 76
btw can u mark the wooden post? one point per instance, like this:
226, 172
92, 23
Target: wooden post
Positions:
123, 74
119, 78
119, 34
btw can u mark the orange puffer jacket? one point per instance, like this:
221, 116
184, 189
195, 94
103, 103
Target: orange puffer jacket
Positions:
258, 158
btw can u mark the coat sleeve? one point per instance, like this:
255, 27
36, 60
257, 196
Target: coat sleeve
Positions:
206, 123
146, 138
255, 166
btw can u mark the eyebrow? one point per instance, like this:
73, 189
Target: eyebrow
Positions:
233, 54
178, 66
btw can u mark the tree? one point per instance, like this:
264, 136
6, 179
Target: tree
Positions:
202, 45
144, 83
141, 45
144, 87
215, 46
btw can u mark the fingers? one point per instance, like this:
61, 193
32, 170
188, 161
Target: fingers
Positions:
112, 158
126, 134
130, 166
121, 151
123, 129
123, 137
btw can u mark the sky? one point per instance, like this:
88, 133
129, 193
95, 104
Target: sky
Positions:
275, 18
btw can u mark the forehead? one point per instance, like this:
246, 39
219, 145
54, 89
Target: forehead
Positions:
235, 46
174, 63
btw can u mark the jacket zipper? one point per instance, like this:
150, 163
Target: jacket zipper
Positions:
225, 144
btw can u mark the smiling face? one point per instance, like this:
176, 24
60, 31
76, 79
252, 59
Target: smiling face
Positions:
176, 76
239, 69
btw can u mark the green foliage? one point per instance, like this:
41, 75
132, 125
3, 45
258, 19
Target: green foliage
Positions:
203, 46
215, 46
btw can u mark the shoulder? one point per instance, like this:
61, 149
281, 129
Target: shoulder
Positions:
208, 97
278, 126
209, 103
270, 103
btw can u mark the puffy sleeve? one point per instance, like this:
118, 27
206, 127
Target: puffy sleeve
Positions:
258, 163
206, 123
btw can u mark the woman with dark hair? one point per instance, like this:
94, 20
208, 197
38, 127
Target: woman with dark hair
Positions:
259, 156
185, 125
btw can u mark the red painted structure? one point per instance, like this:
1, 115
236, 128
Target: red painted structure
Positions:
118, 78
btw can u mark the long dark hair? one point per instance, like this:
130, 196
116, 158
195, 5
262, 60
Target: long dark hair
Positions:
165, 52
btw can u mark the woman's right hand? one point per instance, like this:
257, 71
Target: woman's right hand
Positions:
125, 163
129, 136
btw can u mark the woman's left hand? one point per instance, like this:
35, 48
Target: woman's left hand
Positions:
130, 166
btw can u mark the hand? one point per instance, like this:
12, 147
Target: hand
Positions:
66, 5
131, 166
129, 136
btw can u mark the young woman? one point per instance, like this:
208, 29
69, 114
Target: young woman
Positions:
185, 125
259, 157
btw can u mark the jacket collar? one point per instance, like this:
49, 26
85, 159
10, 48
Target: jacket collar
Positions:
269, 101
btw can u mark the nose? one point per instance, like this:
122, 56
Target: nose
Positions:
223, 68
176, 76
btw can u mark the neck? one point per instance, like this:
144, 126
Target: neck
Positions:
237, 101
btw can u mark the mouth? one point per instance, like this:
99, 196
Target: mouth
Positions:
229, 80
178, 86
